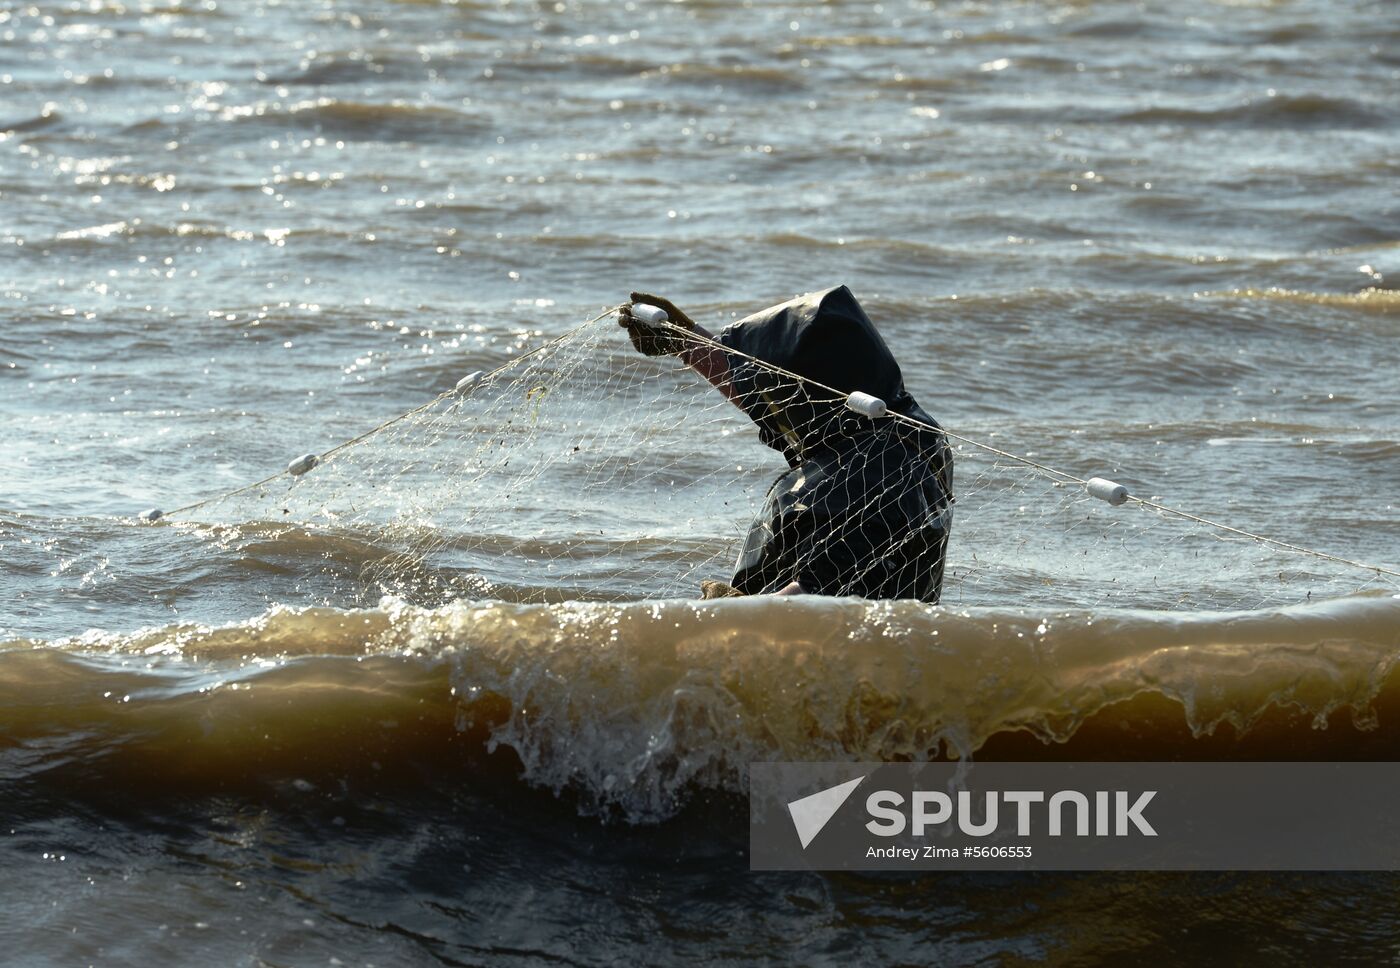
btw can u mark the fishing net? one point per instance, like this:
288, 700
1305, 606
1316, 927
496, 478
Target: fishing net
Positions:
585, 471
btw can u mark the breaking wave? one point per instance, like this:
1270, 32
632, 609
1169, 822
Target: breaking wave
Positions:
634, 709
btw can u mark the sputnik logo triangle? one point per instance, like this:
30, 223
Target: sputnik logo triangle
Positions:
811, 813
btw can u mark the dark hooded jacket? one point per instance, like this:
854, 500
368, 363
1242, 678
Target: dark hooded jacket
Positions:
866, 506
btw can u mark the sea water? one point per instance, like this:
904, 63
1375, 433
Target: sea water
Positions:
1153, 242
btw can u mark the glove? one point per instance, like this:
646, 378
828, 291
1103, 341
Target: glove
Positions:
710, 588
653, 340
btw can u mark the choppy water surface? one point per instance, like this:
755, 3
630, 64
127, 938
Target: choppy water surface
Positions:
1154, 240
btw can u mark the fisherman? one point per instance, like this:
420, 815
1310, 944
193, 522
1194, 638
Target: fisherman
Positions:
866, 504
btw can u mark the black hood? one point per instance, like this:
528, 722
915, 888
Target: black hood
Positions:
824, 336
827, 338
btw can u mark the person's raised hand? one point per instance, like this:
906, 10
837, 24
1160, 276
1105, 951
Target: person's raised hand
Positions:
677, 315
651, 339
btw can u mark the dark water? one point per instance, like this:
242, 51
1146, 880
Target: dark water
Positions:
1156, 241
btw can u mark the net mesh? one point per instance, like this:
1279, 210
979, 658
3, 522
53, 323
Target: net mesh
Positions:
585, 471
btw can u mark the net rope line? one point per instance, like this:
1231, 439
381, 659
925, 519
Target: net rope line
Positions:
1065, 477
361, 438
1057, 476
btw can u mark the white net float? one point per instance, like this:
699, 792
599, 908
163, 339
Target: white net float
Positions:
469, 381
648, 313
1106, 490
151, 514
302, 464
867, 405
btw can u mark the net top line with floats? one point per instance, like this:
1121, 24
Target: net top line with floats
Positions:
867, 406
